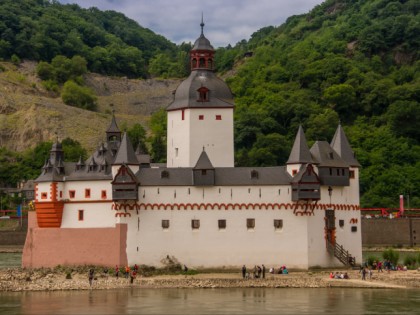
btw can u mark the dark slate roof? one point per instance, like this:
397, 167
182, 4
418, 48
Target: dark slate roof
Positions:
141, 155
224, 176
113, 127
126, 154
202, 43
93, 167
52, 174
342, 146
325, 156
203, 162
186, 94
300, 153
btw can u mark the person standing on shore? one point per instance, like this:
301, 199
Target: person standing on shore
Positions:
117, 271
91, 274
263, 271
243, 271
132, 276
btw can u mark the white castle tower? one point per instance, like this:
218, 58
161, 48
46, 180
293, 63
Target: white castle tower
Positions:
201, 114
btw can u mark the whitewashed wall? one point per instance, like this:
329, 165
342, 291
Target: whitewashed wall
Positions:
186, 138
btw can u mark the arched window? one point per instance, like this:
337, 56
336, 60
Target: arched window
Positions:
194, 63
202, 63
210, 64
203, 94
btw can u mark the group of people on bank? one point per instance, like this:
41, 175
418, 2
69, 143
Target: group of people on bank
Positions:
258, 272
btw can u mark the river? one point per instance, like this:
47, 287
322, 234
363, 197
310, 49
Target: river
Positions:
213, 301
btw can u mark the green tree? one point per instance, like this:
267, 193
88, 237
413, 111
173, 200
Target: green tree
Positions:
137, 135
78, 96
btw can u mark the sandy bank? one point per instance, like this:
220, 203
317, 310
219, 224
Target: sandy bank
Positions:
16, 279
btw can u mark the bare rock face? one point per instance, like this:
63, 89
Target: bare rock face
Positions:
30, 114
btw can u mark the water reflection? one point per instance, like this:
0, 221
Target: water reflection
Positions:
213, 301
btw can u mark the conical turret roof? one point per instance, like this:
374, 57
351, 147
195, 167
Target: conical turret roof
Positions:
203, 162
126, 154
300, 153
341, 145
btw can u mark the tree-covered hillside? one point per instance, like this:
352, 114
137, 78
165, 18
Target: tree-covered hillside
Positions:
350, 61
354, 61
110, 42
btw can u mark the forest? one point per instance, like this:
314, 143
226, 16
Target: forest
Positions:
353, 62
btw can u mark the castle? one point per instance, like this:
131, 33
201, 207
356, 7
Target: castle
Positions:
117, 208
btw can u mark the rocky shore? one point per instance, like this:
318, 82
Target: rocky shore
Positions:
17, 279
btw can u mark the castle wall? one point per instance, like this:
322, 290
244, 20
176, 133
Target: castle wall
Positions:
49, 247
300, 243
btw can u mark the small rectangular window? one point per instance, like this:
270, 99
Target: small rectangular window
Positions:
61, 194
201, 117
176, 152
351, 174
342, 172
203, 172
195, 224
218, 117
250, 223
87, 193
294, 172
103, 194
354, 228
72, 193
222, 224
341, 223
81, 215
165, 224
278, 224
44, 195
183, 114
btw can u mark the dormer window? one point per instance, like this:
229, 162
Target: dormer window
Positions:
164, 174
203, 94
254, 174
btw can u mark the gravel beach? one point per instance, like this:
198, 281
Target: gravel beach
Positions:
18, 279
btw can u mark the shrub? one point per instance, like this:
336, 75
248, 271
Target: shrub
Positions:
371, 259
410, 260
51, 86
15, 59
78, 96
68, 275
391, 255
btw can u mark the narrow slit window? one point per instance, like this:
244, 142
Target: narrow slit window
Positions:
81, 215
72, 193
103, 194
222, 224
87, 193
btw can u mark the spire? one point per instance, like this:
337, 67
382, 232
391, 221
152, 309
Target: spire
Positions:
113, 127
341, 145
300, 152
203, 162
126, 154
202, 24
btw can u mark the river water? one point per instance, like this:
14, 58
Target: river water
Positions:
214, 301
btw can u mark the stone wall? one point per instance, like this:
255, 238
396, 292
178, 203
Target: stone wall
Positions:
390, 232
49, 247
